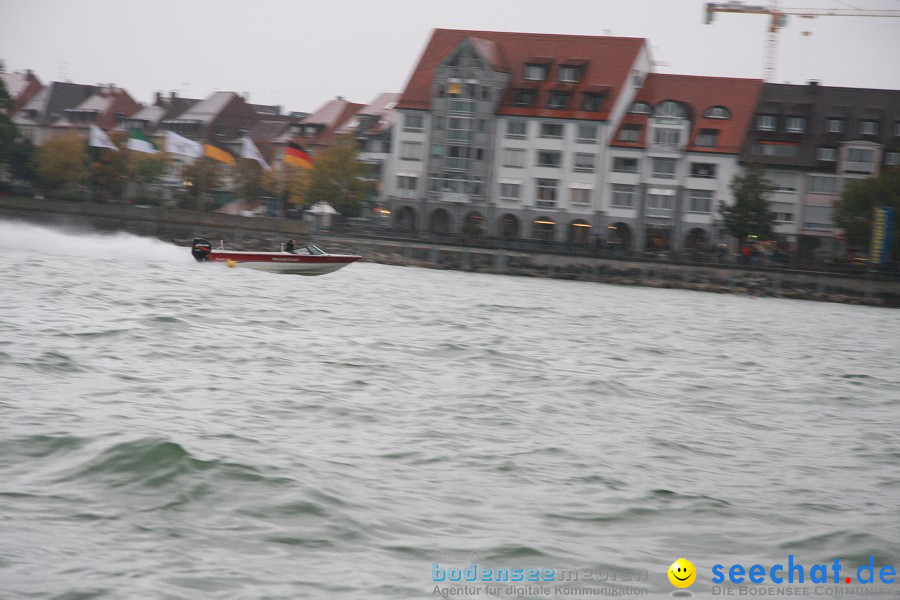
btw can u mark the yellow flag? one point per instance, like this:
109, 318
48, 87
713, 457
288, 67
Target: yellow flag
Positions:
218, 154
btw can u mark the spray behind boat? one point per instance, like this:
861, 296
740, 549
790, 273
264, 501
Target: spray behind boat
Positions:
201, 249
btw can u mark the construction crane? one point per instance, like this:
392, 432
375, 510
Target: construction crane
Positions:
778, 19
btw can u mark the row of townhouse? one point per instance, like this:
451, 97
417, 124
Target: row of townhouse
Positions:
60, 108
573, 138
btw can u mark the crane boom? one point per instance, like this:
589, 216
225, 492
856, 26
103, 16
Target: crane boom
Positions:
778, 19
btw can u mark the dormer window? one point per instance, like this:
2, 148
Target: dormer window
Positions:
558, 100
535, 72
717, 112
631, 132
524, 98
670, 109
592, 102
640, 108
708, 138
570, 73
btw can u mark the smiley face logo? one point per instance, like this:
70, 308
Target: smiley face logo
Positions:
682, 573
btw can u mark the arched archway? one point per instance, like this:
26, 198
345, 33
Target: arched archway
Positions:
658, 238
697, 239
509, 227
406, 218
544, 228
619, 236
474, 225
579, 232
439, 221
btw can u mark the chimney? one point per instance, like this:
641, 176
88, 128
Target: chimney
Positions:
813, 85
157, 98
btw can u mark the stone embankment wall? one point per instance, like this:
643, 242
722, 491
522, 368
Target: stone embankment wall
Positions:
724, 279
265, 234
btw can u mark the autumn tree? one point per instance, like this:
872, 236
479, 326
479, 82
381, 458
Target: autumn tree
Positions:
61, 161
750, 214
338, 177
854, 211
109, 168
250, 181
201, 176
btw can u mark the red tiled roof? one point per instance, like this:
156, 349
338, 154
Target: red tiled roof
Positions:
330, 117
739, 96
607, 63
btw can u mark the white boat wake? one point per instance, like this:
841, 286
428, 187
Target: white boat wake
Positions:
16, 235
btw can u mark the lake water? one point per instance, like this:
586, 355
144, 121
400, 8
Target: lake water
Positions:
177, 430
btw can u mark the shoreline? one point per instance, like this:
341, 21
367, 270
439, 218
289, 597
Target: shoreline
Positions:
180, 227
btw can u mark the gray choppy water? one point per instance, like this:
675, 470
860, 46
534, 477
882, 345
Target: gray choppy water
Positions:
174, 430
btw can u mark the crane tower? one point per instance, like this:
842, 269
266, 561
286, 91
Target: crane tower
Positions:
778, 19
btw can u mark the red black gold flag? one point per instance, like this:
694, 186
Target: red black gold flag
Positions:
296, 155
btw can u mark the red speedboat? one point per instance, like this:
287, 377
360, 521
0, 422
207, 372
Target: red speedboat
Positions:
309, 260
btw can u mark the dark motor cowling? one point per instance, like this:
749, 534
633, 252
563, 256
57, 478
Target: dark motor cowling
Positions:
201, 249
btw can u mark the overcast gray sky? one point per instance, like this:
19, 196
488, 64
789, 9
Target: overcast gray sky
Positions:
300, 53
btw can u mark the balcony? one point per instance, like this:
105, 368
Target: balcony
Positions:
456, 164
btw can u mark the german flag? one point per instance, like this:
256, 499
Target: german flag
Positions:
216, 153
296, 155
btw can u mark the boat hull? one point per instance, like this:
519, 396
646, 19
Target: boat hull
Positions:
284, 262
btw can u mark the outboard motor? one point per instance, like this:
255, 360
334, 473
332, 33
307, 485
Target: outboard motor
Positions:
201, 249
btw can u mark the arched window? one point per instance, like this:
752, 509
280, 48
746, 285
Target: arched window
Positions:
670, 109
717, 112
640, 108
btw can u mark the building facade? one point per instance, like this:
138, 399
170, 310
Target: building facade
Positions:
813, 140
672, 160
504, 134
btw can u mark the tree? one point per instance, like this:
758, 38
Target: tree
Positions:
61, 161
750, 214
8, 130
338, 178
854, 210
249, 180
201, 175
109, 168
23, 159
148, 168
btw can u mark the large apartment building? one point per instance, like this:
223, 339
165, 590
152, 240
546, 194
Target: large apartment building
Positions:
813, 140
506, 133
672, 160
573, 138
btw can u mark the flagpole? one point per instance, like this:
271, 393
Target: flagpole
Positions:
127, 177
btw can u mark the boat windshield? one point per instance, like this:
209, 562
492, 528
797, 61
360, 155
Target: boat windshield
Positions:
313, 249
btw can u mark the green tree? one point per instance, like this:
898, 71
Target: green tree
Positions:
8, 130
854, 210
23, 159
249, 179
109, 168
201, 176
338, 178
61, 161
750, 214
149, 168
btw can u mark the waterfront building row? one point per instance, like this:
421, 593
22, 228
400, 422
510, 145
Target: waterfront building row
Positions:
574, 138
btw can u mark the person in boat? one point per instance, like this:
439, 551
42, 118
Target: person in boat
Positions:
289, 247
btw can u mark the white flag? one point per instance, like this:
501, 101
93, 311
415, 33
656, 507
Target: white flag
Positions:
178, 144
249, 150
98, 139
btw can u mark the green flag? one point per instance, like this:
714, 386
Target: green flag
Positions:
139, 142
